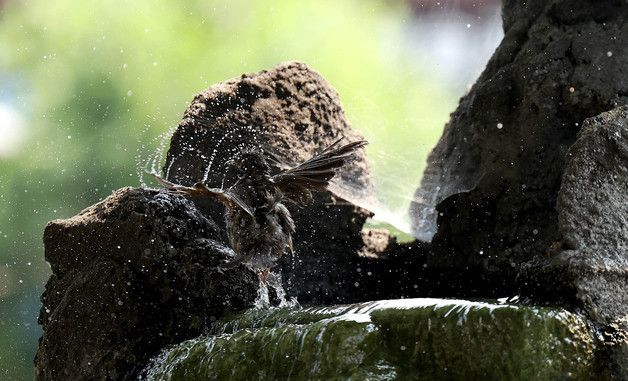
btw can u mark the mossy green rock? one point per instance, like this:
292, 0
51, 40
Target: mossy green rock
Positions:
412, 339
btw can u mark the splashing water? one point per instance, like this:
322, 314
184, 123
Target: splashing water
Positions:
150, 162
393, 193
394, 190
213, 154
240, 138
263, 299
381, 212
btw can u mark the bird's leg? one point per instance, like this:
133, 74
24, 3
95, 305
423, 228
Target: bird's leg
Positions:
263, 275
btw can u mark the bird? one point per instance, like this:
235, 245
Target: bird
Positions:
259, 225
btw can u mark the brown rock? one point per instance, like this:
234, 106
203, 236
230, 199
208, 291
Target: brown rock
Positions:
131, 274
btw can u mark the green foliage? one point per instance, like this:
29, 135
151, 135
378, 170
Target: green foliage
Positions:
98, 81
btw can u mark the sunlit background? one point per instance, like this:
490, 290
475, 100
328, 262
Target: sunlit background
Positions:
86, 88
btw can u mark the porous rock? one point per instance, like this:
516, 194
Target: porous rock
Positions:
131, 274
593, 198
292, 113
518, 197
494, 177
593, 221
589, 267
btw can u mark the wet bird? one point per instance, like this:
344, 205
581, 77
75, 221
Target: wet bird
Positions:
259, 226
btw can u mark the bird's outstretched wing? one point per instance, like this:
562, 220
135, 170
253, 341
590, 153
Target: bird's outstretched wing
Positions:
314, 174
202, 190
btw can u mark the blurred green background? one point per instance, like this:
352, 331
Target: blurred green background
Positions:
86, 87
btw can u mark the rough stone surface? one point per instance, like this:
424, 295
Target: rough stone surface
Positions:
528, 197
493, 179
593, 199
131, 274
415, 339
588, 266
293, 113
593, 222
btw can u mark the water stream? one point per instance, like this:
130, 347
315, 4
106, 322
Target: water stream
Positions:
404, 339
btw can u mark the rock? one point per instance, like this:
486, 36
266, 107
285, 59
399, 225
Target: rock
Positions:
131, 274
592, 211
593, 198
494, 177
418, 339
381, 268
293, 113
529, 202
589, 266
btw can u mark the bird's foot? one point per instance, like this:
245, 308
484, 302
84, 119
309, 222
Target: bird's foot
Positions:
263, 275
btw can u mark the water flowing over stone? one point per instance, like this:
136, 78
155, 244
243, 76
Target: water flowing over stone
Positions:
412, 339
